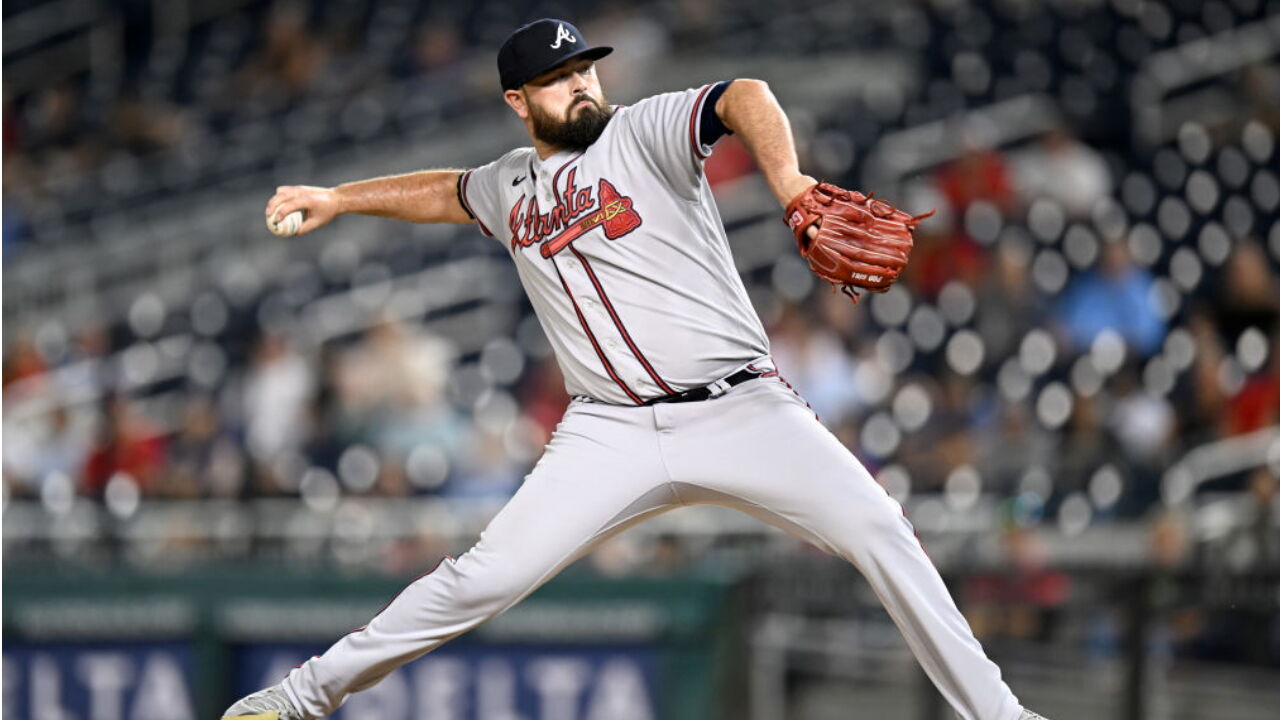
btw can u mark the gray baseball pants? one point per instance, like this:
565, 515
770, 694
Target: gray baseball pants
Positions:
758, 449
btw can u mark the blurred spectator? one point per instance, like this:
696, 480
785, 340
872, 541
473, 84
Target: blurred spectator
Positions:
1246, 318
1142, 421
67, 444
1144, 424
391, 389
941, 256
979, 173
1202, 397
1007, 305
1257, 404
1019, 603
403, 365
1013, 444
815, 361
203, 459
488, 471
1063, 169
84, 371
1246, 294
277, 388
37, 448
128, 443
1115, 296
23, 360
949, 439
1086, 447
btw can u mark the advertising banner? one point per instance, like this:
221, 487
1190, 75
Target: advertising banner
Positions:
485, 682
98, 681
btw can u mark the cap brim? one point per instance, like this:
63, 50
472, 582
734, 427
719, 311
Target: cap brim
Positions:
592, 53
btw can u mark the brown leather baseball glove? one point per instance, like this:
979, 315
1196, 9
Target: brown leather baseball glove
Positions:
860, 243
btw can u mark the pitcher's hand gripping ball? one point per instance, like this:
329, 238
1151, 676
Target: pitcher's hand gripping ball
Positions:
859, 244
288, 226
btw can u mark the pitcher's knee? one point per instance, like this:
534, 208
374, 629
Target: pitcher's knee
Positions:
477, 588
872, 525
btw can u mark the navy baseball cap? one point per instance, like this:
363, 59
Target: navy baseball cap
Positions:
539, 46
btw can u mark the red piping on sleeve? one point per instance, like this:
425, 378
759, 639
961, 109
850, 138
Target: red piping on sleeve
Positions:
693, 122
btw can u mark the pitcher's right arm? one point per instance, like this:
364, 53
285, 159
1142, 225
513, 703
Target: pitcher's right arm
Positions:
428, 196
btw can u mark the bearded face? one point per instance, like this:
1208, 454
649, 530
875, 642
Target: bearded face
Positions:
586, 119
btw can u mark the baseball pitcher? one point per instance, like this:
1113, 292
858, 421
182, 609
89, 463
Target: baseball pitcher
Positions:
615, 235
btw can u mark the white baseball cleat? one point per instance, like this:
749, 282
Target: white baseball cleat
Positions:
1028, 715
268, 704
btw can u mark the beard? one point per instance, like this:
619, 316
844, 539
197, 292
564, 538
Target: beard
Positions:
575, 134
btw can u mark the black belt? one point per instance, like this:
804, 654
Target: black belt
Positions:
708, 391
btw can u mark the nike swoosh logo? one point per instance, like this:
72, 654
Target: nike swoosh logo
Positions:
519, 179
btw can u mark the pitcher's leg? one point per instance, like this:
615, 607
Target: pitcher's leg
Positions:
764, 452
597, 476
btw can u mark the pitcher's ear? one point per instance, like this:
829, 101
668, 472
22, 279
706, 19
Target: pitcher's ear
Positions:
518, 102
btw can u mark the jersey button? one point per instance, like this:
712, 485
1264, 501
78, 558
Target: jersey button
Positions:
573, 264
611, 343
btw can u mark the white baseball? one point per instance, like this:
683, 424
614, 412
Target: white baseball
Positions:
288, 226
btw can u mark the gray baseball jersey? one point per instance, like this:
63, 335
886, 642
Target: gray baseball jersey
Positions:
623, 255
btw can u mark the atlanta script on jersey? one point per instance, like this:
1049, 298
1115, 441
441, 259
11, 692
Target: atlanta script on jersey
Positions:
623, 255
576, 211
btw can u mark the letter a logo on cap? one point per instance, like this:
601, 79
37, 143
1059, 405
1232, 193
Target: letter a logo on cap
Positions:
561, 35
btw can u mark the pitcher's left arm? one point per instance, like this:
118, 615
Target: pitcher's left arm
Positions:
749, 108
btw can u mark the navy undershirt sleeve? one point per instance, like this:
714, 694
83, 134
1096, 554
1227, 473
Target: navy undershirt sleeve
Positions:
461, 200
712, 128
